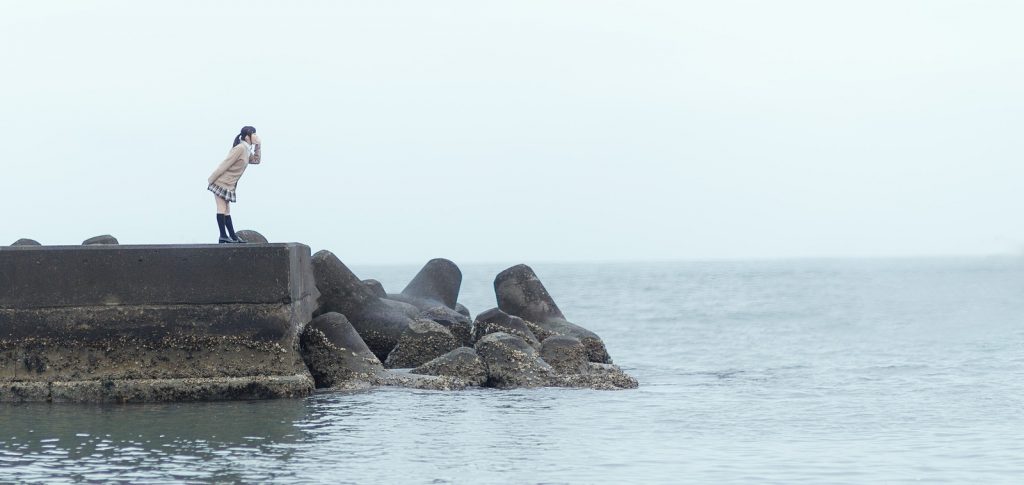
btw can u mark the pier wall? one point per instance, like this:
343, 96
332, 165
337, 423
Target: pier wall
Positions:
154, 323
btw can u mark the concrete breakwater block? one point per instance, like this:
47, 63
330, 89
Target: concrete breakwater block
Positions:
25, 242
437, 282
251, 237
154, 323
423, 341
335, 353
436, 286
104, 239
379, 321
520, 293
462, 363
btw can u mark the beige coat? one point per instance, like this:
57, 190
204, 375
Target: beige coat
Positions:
231, 169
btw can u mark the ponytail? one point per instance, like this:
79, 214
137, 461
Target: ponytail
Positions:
246, 131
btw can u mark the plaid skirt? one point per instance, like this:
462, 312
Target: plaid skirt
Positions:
228, 195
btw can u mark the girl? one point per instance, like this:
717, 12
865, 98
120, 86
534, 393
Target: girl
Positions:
224, 179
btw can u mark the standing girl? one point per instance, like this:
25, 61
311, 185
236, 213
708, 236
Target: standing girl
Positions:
224, 179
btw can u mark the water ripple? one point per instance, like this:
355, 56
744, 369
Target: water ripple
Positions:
825, 372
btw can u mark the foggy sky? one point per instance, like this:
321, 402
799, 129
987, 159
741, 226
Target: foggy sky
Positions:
522, 131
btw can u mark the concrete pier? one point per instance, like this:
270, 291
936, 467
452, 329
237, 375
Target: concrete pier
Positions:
154, 323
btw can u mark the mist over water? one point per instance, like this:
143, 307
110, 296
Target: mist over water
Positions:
813, 371
569, 130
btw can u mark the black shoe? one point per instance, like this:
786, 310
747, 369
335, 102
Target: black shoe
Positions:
225, 240
238, 240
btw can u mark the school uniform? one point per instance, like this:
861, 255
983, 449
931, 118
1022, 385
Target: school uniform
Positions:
224, 180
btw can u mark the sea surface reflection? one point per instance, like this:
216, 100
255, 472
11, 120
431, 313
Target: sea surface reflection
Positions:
812, 371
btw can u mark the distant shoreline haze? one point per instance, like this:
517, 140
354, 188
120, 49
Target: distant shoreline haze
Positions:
526, 132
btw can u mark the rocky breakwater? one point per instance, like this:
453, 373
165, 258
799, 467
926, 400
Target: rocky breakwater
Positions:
104, 322
338, 359
525, 342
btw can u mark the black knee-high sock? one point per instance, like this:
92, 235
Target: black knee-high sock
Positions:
231, 228
220, 224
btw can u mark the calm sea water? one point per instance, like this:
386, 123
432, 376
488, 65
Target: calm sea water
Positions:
799, 371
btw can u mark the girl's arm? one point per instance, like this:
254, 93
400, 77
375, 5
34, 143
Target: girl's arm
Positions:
233, 155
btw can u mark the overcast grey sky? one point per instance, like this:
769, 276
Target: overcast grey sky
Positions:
397, 131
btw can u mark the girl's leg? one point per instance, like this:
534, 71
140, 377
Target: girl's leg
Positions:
222, 208
222, 205
227, 221
231, 228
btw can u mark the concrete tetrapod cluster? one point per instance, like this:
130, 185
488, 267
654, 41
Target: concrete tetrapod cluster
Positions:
524, 342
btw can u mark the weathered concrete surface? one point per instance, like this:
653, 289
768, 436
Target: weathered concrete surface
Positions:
495, 320
604, 377
339, 359
596, 350
458, 324
376, 287
335, 354
427, 382
511, 362
462, 363
422, 342
104, 239
439, 280
25, 242
340, 290
540, 332
76, 276
520, 293
107, 323
152, 323
252, 237
378, 322
436, 286
158, 390
567, 355
403, 307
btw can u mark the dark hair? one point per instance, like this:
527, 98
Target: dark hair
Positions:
246, 131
